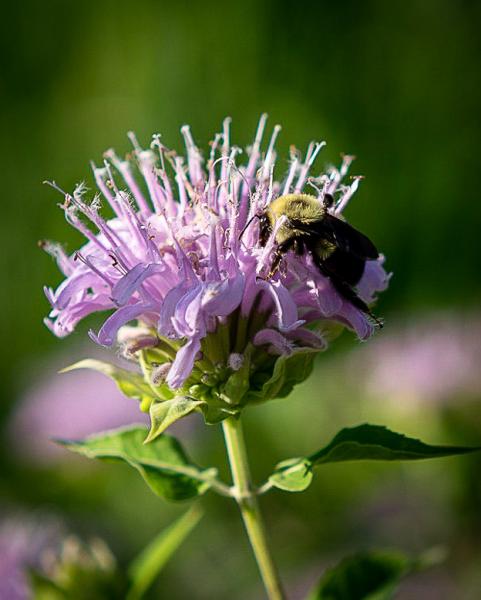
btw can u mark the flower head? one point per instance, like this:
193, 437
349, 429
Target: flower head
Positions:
175, 256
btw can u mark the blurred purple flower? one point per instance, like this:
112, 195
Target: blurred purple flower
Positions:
431, 360
38, 544
171, 255
23, 543
72, 406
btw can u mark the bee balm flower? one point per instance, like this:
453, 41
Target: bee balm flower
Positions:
214, 329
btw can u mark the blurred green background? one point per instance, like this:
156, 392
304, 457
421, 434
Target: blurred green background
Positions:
398, 84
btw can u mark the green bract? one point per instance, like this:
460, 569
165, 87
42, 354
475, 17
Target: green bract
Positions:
217, 390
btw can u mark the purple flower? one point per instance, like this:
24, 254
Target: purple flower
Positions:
24, 542
73, 406
434, 360
38, 544
171, 257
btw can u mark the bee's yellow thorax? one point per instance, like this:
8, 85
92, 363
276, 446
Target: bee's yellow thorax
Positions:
296, 207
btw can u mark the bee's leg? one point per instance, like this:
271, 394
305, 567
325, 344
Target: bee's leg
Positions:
278, 254
275, 263
298, 247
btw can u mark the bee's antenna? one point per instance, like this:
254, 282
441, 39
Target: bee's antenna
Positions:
247, 225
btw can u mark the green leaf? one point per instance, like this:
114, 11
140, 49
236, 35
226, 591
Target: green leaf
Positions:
372, 575
163, 463
44, 588
297, 369
131, 384
375, 442
288, 371
217, 410
364, 442
163, 414
145, 568
365, 576
292, 475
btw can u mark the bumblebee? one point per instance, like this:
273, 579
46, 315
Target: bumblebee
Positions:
339, 251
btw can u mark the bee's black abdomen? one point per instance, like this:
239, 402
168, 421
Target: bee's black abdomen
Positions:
348, 293
344, 272
347, 238
345, 266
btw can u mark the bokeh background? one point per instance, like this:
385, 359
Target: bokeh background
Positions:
398, 84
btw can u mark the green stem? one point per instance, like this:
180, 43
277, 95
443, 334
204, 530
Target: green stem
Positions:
249, 506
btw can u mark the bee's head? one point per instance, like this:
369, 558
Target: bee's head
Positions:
265, 226
328, 200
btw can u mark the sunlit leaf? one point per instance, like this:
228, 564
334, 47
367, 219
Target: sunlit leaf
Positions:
364, 442
292, 475
163, 414
162, 463
375, 442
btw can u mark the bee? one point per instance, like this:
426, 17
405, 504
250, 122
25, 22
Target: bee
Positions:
338, 250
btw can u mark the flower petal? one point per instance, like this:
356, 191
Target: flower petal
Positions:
286, 309
76, 283
167, 311
188, 317
356, 320
306, 337
130, 283
278, 344
108, 332
184, 362
223, 297
375, 279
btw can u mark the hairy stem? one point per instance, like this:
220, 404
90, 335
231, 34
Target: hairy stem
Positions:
249, 506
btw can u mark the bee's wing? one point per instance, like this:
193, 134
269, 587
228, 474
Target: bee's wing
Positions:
340, 233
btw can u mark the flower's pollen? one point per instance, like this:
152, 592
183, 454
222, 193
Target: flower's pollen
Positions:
236, 361
159, 373
170, 258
